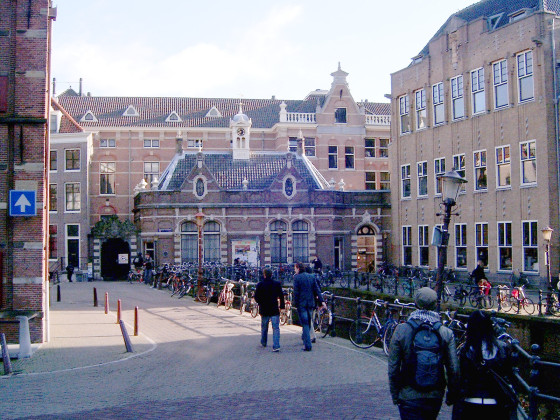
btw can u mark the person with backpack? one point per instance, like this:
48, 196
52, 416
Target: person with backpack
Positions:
269, 295
478, 273
422, 353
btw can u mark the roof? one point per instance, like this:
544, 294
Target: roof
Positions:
261, 170
493, 8
68, 124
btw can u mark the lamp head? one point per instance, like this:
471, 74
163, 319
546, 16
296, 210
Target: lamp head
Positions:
452, 182
547, 233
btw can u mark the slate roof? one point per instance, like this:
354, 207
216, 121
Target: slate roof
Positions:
489, 8
153, 111
260, 171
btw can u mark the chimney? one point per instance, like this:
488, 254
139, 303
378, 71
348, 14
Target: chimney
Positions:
179, 149
54, 86
80, 92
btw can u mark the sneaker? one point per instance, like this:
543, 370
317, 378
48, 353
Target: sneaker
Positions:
263, 345
313, 340
306, 349
276, 350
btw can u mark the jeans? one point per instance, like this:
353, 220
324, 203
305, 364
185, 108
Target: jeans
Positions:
305, 320
275, 319
420, 409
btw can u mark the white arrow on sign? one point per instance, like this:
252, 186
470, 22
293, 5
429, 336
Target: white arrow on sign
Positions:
22, 202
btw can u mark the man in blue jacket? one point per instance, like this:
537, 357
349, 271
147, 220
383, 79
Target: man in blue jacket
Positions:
306, 294
267, 294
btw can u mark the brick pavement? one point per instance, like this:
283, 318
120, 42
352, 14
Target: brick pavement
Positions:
190, 360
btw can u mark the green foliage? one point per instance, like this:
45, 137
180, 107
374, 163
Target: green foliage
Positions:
112, 227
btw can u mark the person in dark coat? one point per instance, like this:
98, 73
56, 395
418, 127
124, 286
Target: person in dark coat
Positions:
69, 272
478, 273
306, 296
267, 294
485, 364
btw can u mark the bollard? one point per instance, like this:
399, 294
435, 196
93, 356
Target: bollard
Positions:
135, 320
58, 292
24, 337
106, 303
126, 338
5, 355
118, 311
95, 297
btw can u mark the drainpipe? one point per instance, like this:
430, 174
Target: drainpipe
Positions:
556, 98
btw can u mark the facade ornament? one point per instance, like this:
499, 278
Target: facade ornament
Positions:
341, 185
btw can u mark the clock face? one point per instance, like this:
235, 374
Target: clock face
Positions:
240, 131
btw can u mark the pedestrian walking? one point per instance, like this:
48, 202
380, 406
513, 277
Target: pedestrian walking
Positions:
306, 297
422, 354
69, 272
267, 294
484, 391
478, 273
148, 269
317, 265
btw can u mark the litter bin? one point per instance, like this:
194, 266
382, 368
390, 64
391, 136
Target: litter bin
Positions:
80, 275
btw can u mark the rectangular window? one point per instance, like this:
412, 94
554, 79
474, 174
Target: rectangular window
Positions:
407, 245
371, 183
53, 242
349, 157
503, 166
189, 248
505, 246
461, 245
423, 245
72, 196
480, 181
530, 246
53, 199
340, 116
405, 181
292, 144
211, 247
73, 160
439, 111
309, 146
477, 90
194, 143
369, 147
459, 166
107, 143
151, 172
422, 178
149, 143
107, 177
385, 181
53, 162
457, 98
528, 162
501, 96
439, 169
481, 238
383, 148
404, 114
333, 157
420, 107
525, 76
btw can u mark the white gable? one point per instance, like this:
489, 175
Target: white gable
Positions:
214, 113
173, 117
88, 117
130, 112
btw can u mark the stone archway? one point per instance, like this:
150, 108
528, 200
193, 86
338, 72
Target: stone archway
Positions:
366, 248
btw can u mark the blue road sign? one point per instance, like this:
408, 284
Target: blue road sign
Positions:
23, 203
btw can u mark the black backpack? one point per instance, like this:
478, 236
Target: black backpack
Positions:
425, 365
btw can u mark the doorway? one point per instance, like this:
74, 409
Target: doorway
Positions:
115, 259
366, 248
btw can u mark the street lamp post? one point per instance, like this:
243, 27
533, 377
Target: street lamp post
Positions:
199, 220
452, 182
547, 235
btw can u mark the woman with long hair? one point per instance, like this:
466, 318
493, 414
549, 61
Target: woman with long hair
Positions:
485, 364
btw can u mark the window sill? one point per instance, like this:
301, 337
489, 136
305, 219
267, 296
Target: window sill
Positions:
531, 185
480, 191
406, 198
507, 188
501, 108
422, 197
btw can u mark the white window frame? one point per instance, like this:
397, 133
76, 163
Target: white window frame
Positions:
439, 169
383, 148
371, 184
51, 185
457, 98
530, 243
459, 165
195, 143
385, 184
423, 244
151, 143
481, 241
349, 157
422, 174
149, 172
66, 169
478, 93
461, 245
528, 154
420, 108
500, 82
309, 146
405, 177
406, 243
438, 96
369, 147
109, 175
107, 143
404, 115
504, 242
525, 68
503, 162
480, 164
333, 154
79, 198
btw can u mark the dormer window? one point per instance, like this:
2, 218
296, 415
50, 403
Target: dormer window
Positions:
494, 21
520, 14
340, 116
173, 117
88, 117
213, 113
131, 112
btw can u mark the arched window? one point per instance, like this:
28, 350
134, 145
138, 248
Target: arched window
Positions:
300, 231
278, 242
289, 187
212, 242
189, 242
200, 187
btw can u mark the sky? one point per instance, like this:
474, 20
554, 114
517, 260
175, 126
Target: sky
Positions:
252, 49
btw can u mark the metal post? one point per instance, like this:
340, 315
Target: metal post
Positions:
106, 303
95, 297
199, 219
442, 252
358, 317
549, 281
540, 302
533, 381
118, 311
355, 280
58, 292
5, 355
135, 320
333, 326
126, 338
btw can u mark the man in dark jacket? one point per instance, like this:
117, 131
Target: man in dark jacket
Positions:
267, 294
416, 403
306, 294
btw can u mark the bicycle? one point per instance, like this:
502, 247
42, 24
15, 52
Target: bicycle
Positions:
502, 298
367, 331
286, 313
480, 297
391, 327
322, 317
226, 295
135, 276
459, 328
523, 302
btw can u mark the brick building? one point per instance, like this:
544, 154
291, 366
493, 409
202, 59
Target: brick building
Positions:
135, 139
480, 98
25, 29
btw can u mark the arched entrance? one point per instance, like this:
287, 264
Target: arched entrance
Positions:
115, 259
367, 244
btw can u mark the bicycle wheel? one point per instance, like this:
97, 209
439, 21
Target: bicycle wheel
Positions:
528, 305
474, 299
228, 302
363, 333
283, 317
487, 301
325, 321
254, 310
344, 282
505, 303
387, 336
